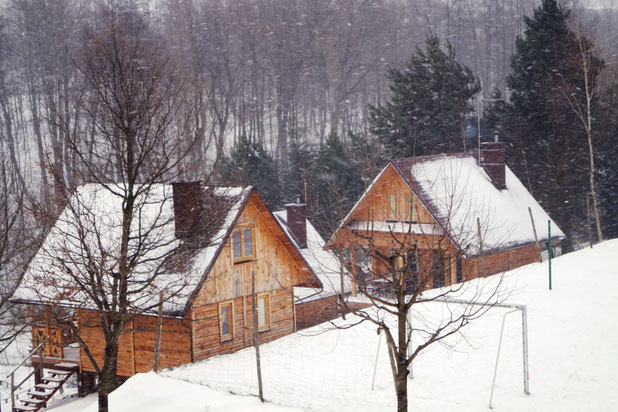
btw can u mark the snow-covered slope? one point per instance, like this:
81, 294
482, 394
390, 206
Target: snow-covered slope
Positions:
573, 362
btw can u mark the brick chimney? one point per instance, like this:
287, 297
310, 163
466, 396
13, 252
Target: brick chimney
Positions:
187, 207
493, 160
297, 222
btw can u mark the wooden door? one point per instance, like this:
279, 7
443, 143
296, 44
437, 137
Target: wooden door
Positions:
53, 345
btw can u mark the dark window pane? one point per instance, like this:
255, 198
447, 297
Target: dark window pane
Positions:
438, 269
459, 270
248, 242
237, 244
225, 320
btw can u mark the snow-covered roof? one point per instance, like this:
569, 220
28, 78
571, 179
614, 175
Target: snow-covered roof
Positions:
85, 240
457, 192
324, 263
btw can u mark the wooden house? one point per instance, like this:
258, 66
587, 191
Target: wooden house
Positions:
214, 314
463, 217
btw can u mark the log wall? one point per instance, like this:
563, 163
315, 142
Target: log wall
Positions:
207, 341
317, 311
500, 261
136, 349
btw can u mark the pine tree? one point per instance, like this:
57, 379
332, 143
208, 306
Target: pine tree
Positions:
250, 164
546, 142
429, 101
338, 184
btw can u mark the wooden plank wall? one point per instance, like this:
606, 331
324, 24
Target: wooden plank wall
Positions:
500, 261
375, 206
274, 267
206, 338
136, 349
317, 311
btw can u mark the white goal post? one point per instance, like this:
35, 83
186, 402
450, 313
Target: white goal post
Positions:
524, 335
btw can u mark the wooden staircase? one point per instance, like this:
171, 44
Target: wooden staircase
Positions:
50, 383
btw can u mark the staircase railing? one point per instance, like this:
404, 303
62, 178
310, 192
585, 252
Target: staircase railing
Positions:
11, 375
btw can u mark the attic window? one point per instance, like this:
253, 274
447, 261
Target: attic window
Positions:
243, 244
392, 206
412, 212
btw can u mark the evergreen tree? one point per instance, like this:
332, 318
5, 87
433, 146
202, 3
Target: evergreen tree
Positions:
547, 146
430, 98
250, 164
338, 183
297, 181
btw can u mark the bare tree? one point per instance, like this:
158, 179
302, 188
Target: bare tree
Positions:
113, 249
583, 102
406, 261
18, 240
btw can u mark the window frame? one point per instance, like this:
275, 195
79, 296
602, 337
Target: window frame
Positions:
266, 298
243, 257
230, 335
392, 206
412, 212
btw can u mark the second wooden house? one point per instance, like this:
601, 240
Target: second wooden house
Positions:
456, 217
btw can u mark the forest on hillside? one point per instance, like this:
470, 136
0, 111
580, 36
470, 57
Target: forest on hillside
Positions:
292, 96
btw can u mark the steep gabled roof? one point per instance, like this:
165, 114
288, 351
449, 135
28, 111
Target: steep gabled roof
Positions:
184, 240
323, 263
457, 191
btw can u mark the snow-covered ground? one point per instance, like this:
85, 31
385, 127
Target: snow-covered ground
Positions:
573, 336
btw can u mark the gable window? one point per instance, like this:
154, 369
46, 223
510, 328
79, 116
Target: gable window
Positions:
263, 307
412, 212
226, 320
243, 244
392, 206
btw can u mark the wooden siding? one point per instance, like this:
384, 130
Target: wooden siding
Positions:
275, 265
317, 311
376, 203
278, 267
206, 337
136, 349
500, 261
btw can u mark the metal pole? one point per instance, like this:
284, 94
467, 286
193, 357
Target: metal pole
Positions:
375, 366
524, 334
493, 382
549, 249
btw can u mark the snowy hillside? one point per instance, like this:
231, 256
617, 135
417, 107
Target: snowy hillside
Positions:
572, 343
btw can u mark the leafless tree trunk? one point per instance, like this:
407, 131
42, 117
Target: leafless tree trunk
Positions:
582, 106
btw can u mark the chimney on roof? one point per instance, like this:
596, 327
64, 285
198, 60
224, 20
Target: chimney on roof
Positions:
297, 222
493, 161
187, 207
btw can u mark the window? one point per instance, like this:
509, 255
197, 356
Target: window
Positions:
392, 206
362, 263
439, 269
263, 307
243, 244
412, 217
459, 270
226, 320
411, 270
